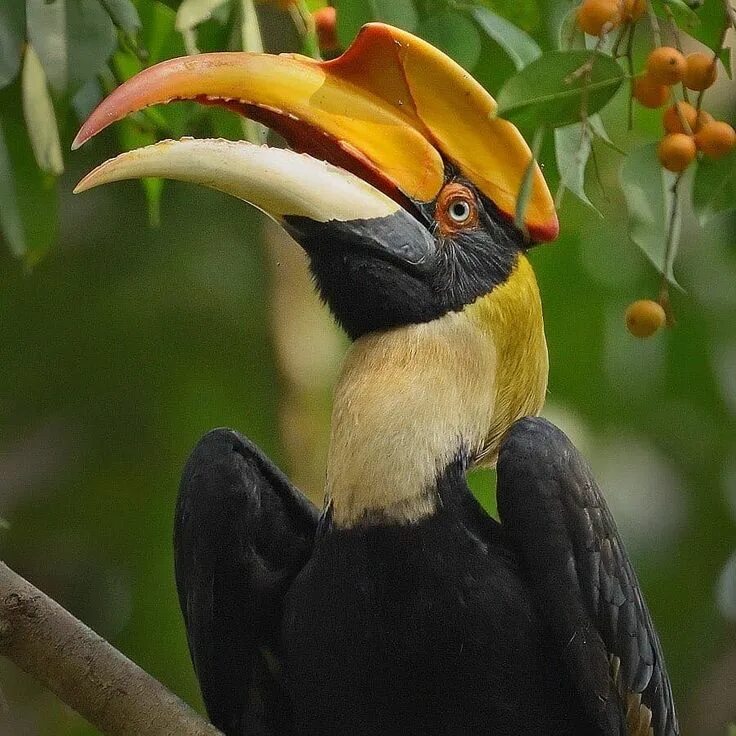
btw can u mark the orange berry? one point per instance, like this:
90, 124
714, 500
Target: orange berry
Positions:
700, 71
598, 16
634, 9
650, 93
645, 317
666, 65
325, 24
676, 151
673, 124
715, 139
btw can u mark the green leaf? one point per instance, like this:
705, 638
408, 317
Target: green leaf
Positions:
38, 111
123, 14
158, 35
572, 151
12, 35
551, 89
494, 66
685, 17
132, 136
87, 98
73, 40
526, 14
705, 23
714, 190
519, 46
36, 193
10, 218
455, 34
352, 15
647, 189
399, 13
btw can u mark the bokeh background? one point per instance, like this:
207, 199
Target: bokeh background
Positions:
127, 342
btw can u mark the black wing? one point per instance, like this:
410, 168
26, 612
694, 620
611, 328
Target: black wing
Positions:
560, 525
242, 533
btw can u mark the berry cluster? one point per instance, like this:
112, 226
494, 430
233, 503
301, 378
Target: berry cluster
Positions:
687, 129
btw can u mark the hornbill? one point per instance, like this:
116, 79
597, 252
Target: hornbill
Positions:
401, 607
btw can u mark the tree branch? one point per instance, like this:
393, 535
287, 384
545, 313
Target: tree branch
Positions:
84, 670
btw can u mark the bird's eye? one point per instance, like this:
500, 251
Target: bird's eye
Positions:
459, 211
456, 209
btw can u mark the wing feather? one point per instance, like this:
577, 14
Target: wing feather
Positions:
242, 532
558, 520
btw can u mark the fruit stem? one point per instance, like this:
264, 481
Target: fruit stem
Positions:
680, 116
670, 251
724, 31
630, 65
619, 38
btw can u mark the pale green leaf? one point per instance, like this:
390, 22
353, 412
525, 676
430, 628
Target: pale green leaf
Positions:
714, 189
193, 12
552, 88
525, 189
570, 36
12, 35
647, 189
250, 33
39, 114
455, 34
124, 15
73, 40
519, 46
572, 151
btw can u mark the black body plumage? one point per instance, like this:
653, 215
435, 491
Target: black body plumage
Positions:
454, 625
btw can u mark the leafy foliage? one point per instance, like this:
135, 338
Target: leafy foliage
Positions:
72, 51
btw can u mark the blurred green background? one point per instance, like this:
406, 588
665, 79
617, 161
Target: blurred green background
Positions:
122, 346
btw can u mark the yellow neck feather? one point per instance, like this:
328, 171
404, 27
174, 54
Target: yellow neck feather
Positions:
408, 400
512, 317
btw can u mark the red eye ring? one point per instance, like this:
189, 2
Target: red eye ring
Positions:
456, 209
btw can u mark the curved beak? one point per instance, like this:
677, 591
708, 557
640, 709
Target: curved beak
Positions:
391, 110
308, 197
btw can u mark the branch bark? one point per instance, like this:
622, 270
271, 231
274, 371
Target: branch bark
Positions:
84, 670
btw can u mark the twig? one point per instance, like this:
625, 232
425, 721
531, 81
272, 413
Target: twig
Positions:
654, 23
84, 670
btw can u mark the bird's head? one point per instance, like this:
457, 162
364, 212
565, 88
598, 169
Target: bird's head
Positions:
402, 187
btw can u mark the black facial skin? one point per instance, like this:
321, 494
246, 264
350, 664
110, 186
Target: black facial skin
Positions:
383, 273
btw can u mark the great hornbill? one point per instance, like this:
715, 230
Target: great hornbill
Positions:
401, 607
